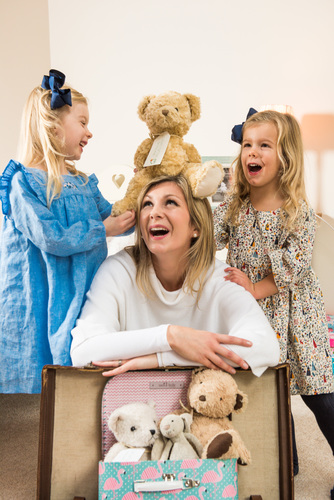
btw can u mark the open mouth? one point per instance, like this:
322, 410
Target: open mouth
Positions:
253, 168
158, 231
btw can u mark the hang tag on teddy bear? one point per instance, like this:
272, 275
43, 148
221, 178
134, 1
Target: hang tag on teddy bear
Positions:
129, 455
157, 150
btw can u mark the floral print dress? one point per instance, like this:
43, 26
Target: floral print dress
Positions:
260, 245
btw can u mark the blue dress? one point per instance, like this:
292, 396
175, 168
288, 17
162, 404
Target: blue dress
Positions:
48, 258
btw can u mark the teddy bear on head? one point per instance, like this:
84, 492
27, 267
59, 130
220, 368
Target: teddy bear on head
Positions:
134, 425
213, 396
169, 117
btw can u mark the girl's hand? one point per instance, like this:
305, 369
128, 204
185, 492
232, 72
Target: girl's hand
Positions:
123, 365
239, 277
206, 347
120, 224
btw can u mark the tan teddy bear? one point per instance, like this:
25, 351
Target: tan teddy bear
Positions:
169, 117
213, 396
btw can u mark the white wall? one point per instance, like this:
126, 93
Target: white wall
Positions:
24, 57
233, 55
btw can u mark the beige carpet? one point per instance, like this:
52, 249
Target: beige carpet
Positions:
19, 415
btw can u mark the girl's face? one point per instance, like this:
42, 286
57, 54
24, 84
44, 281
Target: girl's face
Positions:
259, 157
165, 221
75, 130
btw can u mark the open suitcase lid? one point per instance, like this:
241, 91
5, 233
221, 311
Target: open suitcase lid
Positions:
70, 433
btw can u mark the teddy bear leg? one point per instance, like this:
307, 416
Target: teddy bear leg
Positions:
227, 444
219, 445
205, 179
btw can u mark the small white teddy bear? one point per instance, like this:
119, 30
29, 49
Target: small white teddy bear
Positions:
134, 426
177, 442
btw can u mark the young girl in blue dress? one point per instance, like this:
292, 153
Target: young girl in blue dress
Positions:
270, 229
53, 236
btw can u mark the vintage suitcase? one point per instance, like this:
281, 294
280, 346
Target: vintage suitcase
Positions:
70, 434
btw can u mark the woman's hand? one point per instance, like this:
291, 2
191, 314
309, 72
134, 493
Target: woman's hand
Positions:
119, 224
236, 276
206, 348
123, 365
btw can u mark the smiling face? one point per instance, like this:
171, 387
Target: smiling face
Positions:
165, 223
259, 156
75, 130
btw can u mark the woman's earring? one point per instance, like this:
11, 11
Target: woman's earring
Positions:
195, 235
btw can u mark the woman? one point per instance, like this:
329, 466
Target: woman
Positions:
165, 302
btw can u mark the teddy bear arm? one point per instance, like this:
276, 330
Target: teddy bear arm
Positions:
129, 202
166, 452
142, 152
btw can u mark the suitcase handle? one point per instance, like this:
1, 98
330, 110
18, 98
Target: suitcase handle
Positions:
168, 484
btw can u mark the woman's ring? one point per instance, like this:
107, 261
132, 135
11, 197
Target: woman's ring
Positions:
119, 362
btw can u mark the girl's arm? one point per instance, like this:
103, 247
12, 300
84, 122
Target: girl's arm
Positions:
221, 228
260, 290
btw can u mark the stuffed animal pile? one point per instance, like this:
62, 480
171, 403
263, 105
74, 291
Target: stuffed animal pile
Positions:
169, 117
205, 431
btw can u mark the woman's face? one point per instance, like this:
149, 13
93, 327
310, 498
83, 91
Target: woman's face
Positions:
165, 221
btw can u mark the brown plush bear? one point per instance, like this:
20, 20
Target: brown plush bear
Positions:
169, 117
213, 396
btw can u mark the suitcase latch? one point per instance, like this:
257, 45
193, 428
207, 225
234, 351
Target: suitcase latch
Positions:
169, 483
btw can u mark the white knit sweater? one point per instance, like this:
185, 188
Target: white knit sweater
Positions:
118, 322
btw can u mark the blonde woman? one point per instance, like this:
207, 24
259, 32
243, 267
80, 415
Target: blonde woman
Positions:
164, 301
53, 237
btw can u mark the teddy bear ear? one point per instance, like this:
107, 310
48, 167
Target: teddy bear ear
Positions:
151, 403
143, 105
240, 402
113, 419
195, 106
197, 370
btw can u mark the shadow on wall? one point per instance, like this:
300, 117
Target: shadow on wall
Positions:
318, 136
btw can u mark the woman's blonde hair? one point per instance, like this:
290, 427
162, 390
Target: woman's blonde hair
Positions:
201, 252
39, 143
291, 173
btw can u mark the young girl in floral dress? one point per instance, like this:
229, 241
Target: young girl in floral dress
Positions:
269, 228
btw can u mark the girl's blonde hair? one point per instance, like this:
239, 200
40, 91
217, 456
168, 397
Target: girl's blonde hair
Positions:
201, 252
291, 173
39, 143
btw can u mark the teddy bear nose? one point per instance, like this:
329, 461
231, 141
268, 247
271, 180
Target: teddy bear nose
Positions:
152, 431
202, 398
165, 112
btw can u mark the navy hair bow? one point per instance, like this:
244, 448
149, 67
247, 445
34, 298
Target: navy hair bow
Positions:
236, 135
54, 82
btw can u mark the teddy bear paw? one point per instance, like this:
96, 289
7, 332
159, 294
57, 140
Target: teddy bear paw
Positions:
219, 446
208, 182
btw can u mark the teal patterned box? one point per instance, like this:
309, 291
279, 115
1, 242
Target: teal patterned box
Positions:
202, 479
